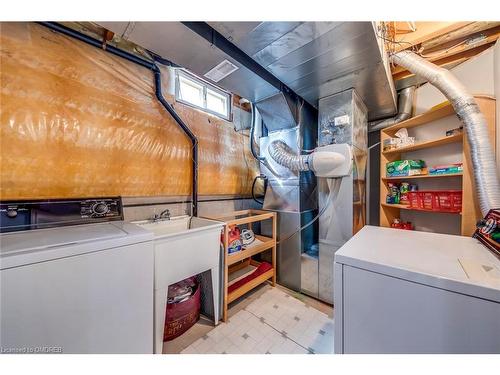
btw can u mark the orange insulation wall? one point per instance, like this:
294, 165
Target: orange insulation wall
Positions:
77, 121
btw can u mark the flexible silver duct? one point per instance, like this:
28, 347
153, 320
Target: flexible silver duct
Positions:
405, 105
283, 155
464, 104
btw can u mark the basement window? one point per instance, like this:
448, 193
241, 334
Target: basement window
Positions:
198, 93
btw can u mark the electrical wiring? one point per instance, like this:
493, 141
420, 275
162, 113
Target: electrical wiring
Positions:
400, 43
437, 53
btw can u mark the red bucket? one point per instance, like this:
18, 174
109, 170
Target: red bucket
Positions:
182, 315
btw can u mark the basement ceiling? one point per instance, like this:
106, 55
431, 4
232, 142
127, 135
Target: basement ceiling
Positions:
315, 59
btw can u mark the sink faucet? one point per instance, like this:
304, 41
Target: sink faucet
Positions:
164, 215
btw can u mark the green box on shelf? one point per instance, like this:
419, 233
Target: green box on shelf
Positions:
405, 168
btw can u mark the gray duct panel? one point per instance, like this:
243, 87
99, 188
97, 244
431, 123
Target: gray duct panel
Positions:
253, 40
323, 53
342, 119
289, 251
293, 41
318, 59
277, 112
315, 59
177, 43
373, 88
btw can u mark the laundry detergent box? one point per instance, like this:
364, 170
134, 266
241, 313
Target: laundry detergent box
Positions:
405, 168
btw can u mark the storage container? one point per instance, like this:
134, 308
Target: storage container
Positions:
440, 200
182, 315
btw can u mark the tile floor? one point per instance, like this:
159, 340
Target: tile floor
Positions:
275, 322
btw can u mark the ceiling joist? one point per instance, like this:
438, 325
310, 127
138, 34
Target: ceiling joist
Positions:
443, 43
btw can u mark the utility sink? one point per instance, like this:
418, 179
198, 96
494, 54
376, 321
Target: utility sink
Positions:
184, 246
176, 225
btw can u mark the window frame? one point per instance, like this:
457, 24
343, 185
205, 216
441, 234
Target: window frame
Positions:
205, 85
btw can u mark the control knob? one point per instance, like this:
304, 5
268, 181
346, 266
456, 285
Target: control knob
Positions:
100, 208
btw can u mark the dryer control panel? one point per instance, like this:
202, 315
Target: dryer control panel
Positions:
100, 208
26, 215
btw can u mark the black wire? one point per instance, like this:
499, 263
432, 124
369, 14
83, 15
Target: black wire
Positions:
252, 131
253, 187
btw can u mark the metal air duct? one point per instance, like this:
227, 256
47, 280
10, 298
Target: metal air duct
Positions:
278, 112
405, 105
464, 104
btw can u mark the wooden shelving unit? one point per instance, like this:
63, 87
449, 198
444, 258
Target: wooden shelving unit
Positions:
470, 208
242, 259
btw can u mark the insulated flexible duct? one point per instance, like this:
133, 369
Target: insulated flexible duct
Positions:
325, 161
464, 104
283, 155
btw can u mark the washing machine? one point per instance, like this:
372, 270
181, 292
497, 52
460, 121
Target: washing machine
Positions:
74, 278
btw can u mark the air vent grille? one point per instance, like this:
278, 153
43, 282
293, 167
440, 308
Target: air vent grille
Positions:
221, 71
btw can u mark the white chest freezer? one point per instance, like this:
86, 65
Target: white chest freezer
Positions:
400, 291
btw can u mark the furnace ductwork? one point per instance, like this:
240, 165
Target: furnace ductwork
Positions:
283, 155
405, 105
482, 155
326, 161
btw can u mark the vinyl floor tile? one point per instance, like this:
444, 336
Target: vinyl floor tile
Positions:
274, 323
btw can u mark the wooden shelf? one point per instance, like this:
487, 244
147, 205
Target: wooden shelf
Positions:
437, 112
255, 215
267, 243
240, 260
433, 143
423, 176
240, 271
429, 120
245, 288
404, 207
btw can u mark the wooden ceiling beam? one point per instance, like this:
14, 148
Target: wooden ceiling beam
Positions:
425, 31
443, 43
461, 33
453, 59
472, 42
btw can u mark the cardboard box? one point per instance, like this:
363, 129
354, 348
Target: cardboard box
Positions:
405, 168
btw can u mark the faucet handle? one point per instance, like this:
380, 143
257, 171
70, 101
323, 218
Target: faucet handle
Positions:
165, 214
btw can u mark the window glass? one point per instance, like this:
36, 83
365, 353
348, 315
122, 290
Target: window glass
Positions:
201, 94
190, 91
216, 102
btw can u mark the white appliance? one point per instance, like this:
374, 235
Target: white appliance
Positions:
75, 289
400, 291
